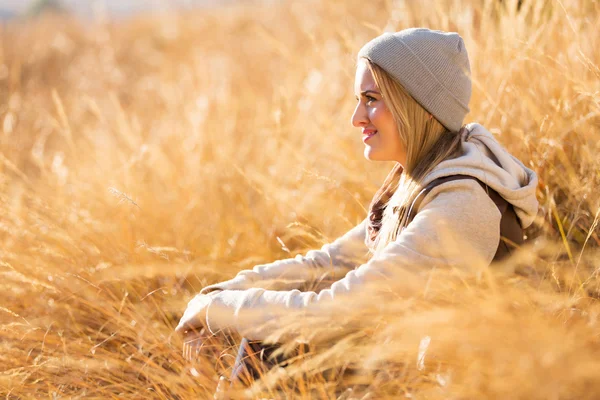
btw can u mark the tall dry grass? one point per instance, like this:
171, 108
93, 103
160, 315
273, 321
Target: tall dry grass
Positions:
142, 159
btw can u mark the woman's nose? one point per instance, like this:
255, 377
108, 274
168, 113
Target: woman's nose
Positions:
359, 117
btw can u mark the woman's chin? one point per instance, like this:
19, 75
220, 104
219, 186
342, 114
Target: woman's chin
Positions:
372, 155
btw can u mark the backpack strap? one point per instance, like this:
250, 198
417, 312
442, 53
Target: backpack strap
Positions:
511, 233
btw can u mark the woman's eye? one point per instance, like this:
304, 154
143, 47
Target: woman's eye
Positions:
369, 99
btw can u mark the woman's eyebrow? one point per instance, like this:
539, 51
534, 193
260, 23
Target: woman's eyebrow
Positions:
366, 92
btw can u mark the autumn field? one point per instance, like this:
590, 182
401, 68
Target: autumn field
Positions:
145, 158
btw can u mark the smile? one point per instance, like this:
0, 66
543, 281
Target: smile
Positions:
369, 135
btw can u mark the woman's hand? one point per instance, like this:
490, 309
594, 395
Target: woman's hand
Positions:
194, 341
192, 326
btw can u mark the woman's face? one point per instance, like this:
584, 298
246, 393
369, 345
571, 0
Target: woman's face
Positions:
379, 130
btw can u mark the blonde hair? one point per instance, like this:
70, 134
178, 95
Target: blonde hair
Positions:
427, 143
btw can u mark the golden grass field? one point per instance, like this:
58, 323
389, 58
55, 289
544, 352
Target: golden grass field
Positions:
143, 159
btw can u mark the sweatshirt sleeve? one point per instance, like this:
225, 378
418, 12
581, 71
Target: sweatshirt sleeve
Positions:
456, 223
331, 262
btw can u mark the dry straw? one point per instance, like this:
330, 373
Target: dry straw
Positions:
210, 121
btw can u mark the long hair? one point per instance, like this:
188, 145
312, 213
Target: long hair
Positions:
427, 143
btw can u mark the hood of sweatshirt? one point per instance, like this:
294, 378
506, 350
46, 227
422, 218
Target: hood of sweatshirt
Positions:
487, 160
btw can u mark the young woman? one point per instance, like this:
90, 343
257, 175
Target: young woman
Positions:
454, 191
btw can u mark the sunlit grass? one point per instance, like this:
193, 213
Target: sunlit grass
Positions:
142, 160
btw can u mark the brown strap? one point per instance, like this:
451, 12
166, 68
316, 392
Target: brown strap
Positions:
511, 233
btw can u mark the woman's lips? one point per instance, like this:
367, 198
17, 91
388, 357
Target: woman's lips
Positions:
369, 135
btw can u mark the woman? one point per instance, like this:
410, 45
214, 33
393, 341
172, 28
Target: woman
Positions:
453, 191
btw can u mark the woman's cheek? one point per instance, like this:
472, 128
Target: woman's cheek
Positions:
374, 114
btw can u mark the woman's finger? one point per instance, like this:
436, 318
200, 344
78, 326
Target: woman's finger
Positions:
192, 346
196, 347
186, 351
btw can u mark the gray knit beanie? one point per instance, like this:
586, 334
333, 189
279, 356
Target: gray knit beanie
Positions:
433, 67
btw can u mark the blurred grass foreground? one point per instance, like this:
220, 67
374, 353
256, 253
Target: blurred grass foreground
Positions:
143, 159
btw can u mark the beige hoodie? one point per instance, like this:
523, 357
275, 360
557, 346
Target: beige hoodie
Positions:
457, 224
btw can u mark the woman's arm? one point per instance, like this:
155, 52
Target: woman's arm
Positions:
332, 261
456, 224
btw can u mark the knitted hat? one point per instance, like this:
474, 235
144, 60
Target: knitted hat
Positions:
433, 66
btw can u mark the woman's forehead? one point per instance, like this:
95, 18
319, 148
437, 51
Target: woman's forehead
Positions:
364, 79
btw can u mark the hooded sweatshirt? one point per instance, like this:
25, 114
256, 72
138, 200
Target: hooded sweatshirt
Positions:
457, 224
